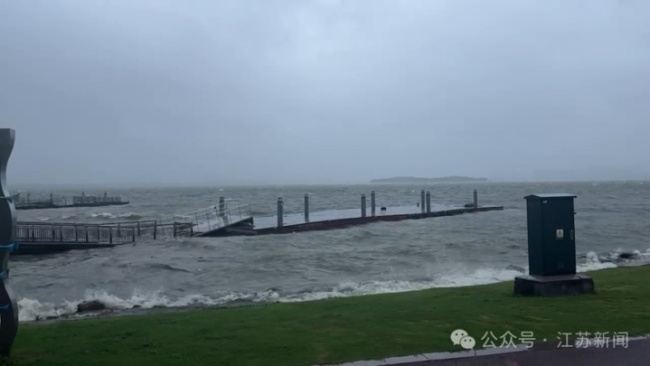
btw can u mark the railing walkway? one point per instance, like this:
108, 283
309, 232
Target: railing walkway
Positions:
110, 233
215, 217
26, 203
116, 233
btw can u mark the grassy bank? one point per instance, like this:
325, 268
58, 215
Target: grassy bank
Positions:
336, 330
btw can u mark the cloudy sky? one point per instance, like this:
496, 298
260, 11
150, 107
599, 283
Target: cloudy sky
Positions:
280, 91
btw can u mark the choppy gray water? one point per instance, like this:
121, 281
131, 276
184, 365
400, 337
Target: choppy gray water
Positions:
375, 258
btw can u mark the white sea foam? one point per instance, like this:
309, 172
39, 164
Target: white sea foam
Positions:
31, 309
108, 215
593, 263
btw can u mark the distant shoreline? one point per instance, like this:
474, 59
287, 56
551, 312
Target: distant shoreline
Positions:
453, 179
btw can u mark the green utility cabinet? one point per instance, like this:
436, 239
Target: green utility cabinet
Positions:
551, 234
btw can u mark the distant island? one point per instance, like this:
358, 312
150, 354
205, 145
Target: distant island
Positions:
452, 179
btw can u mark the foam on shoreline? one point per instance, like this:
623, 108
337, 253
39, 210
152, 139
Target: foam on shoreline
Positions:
31, 309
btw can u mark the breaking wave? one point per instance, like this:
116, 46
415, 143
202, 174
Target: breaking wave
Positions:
110, 216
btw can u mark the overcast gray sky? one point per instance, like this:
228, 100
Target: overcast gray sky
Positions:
273, 91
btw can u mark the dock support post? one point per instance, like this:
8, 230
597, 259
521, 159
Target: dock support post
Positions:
428, 202
422, 203
280, 212
222, 206
155, 229
372, 203
8, 243
363, 205
306, 208
475, 198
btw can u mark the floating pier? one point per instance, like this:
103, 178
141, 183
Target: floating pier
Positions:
214, 222
25, 203
344, 222
227, 218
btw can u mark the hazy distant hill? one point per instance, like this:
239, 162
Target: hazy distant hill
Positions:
453, 179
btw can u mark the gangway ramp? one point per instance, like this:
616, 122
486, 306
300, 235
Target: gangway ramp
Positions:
226, 218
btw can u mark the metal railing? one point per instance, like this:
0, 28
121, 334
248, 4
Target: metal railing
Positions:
108, 233
93, 200
53, 201
154, 229
36, 232
199, 221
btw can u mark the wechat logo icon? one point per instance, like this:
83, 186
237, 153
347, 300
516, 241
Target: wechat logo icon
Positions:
462, 338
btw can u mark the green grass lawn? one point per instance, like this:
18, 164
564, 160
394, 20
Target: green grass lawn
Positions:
337, 330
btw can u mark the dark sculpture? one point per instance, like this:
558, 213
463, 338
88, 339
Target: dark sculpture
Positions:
8, 306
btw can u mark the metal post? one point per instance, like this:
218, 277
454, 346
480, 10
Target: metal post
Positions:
306, 208
372, 203
280, 212
222, 206
8, 306
475, 198
428, 202
363, 205
422, 200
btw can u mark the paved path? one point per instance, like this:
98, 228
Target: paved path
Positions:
636, 354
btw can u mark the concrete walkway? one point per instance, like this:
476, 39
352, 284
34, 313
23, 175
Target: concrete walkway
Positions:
636, 354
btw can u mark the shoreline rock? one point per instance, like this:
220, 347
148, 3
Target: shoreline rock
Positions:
88, 306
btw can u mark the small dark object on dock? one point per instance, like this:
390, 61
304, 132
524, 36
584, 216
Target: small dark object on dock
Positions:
94, 305
383, 208
469, 205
